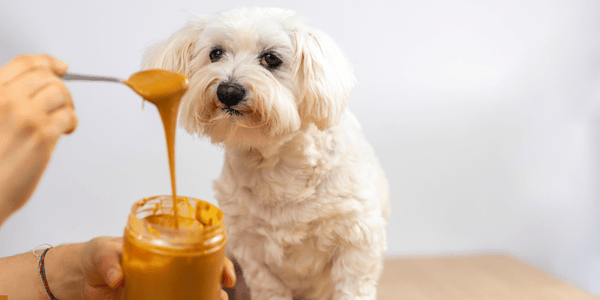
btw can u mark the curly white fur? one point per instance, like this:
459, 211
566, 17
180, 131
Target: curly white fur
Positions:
306, 202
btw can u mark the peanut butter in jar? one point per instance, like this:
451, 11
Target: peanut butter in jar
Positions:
161, 261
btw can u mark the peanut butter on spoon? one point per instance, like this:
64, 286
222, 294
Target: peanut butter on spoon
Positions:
158, 86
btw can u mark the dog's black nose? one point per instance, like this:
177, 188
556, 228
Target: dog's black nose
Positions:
230, 94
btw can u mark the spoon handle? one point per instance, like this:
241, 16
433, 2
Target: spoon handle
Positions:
71, 77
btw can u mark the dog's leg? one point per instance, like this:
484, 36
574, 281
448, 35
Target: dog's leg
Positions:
355, 273
263, 284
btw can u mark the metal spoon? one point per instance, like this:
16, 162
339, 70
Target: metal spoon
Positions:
72, 77
153, 85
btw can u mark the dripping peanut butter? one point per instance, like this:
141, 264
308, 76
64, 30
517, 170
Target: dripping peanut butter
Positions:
163, 89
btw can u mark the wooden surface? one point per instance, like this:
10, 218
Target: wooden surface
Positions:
477, 277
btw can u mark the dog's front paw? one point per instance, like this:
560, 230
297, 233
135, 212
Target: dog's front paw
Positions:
267, 292
355, 273
263, 284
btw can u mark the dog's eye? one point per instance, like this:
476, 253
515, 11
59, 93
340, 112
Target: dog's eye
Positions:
270, 61
216, 54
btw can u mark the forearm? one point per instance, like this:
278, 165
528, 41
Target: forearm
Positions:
20, 278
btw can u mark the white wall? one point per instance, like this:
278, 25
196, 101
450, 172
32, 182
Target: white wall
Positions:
485, 114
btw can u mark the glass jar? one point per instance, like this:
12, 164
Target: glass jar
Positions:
163, 262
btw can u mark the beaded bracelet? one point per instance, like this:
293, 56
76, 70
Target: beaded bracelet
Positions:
43, 271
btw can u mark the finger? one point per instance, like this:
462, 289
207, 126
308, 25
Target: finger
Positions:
28, 84
52, 96
223, 295
228, 279
62, 121
24, 63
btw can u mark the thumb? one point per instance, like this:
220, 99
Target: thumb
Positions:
111, 271
58, 66
106, 253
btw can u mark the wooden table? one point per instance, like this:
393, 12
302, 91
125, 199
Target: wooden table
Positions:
473, 277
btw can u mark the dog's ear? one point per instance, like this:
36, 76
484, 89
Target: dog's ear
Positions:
176, 52
323, 75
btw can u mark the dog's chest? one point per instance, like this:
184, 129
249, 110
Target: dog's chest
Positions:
277, 184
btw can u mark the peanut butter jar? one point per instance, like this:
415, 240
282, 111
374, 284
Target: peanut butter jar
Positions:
163, 261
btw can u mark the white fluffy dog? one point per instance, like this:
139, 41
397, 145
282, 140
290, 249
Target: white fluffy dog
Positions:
305, 200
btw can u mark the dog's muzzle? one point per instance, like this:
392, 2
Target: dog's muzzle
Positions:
230, 94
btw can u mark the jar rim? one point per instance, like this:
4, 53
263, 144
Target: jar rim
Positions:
165, 237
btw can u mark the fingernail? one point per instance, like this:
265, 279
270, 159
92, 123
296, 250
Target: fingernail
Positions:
114, 278
230, 268
230, 274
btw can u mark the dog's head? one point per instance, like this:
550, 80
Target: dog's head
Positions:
255, 76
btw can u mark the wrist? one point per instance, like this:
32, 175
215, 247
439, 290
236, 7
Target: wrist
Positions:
63, 272
5, 209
